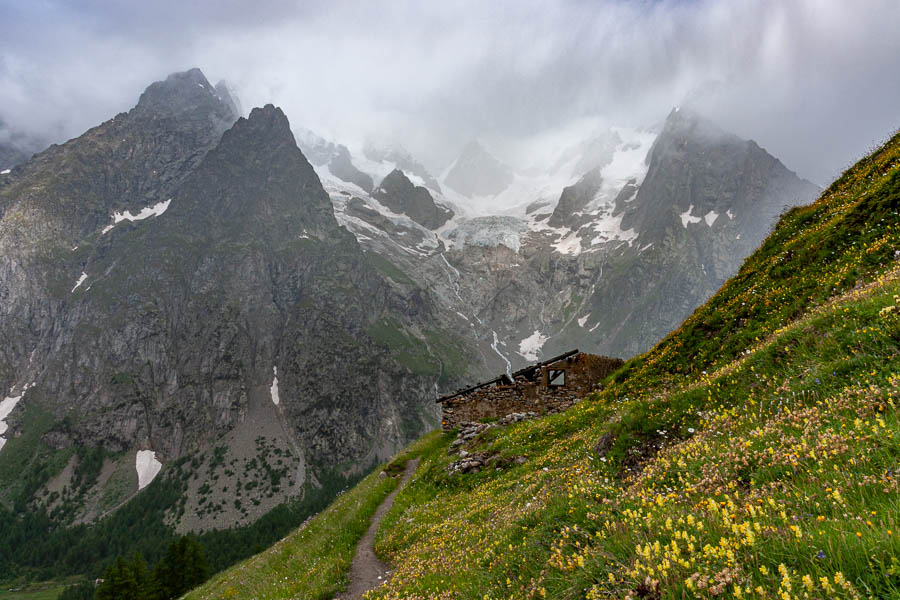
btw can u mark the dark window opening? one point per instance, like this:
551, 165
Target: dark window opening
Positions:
556, 377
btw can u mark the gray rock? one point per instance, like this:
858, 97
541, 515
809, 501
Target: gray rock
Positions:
341, 166
398, 193
172, 340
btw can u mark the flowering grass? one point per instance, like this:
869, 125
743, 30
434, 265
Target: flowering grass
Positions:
779, 486
752, 454
313, 561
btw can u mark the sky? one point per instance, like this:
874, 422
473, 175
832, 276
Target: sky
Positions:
815, 82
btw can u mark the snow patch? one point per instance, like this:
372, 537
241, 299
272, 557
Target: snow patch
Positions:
147, 467
729, 214
583, 320
530, 346
146, 212
686, 217
629, 161
6, 408
570, 244
711, 217
609, 229
80, 281
273, 391
5, 171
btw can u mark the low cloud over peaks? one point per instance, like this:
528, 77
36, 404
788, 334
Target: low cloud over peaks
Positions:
813, 81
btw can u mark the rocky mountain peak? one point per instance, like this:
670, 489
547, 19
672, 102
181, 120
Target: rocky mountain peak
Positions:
687, 125
186, 93
478, 173
396, 182
229, 97
400, 156
257, 178
701, 175
574, 198
399, 194
266, 125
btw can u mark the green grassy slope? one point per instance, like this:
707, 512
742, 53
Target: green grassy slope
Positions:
753, 453
313, 561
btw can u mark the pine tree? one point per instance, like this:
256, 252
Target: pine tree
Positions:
182, 568
119, 582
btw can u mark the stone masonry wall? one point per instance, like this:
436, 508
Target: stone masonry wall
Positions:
530, 394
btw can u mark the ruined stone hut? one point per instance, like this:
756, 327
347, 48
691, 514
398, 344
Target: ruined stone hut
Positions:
546, 387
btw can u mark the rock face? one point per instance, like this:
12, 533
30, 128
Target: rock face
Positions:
336, 157
342, 168
403, 160
183, 284
574, 199
608, 260
174, 281
477, 173
708, 200
685, 184
398, 193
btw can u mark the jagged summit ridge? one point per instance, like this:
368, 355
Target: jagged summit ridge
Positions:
257, 177
185, 93
267, 124
685, 184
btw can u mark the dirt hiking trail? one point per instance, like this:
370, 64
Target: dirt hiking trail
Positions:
367, 571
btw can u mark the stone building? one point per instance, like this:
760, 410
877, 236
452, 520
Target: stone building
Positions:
546, 387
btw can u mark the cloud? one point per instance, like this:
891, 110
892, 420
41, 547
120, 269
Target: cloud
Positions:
813, 81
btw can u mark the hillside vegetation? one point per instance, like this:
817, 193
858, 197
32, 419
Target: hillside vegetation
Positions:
753, 453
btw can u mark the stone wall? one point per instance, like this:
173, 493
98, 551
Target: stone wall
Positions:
530, 392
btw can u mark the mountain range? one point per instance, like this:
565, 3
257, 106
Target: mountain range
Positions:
751, 453
243, 310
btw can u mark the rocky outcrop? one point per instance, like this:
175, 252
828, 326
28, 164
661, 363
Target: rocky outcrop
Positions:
574, 199
341, 166
399, 194
335, 157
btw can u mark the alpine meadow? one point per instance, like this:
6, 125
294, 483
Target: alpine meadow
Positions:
513, 300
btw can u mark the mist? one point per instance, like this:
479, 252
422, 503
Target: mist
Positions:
815, 82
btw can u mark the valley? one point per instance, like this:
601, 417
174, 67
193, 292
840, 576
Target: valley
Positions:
216, 325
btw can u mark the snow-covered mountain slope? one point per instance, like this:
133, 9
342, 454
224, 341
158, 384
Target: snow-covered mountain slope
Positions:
607, 248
